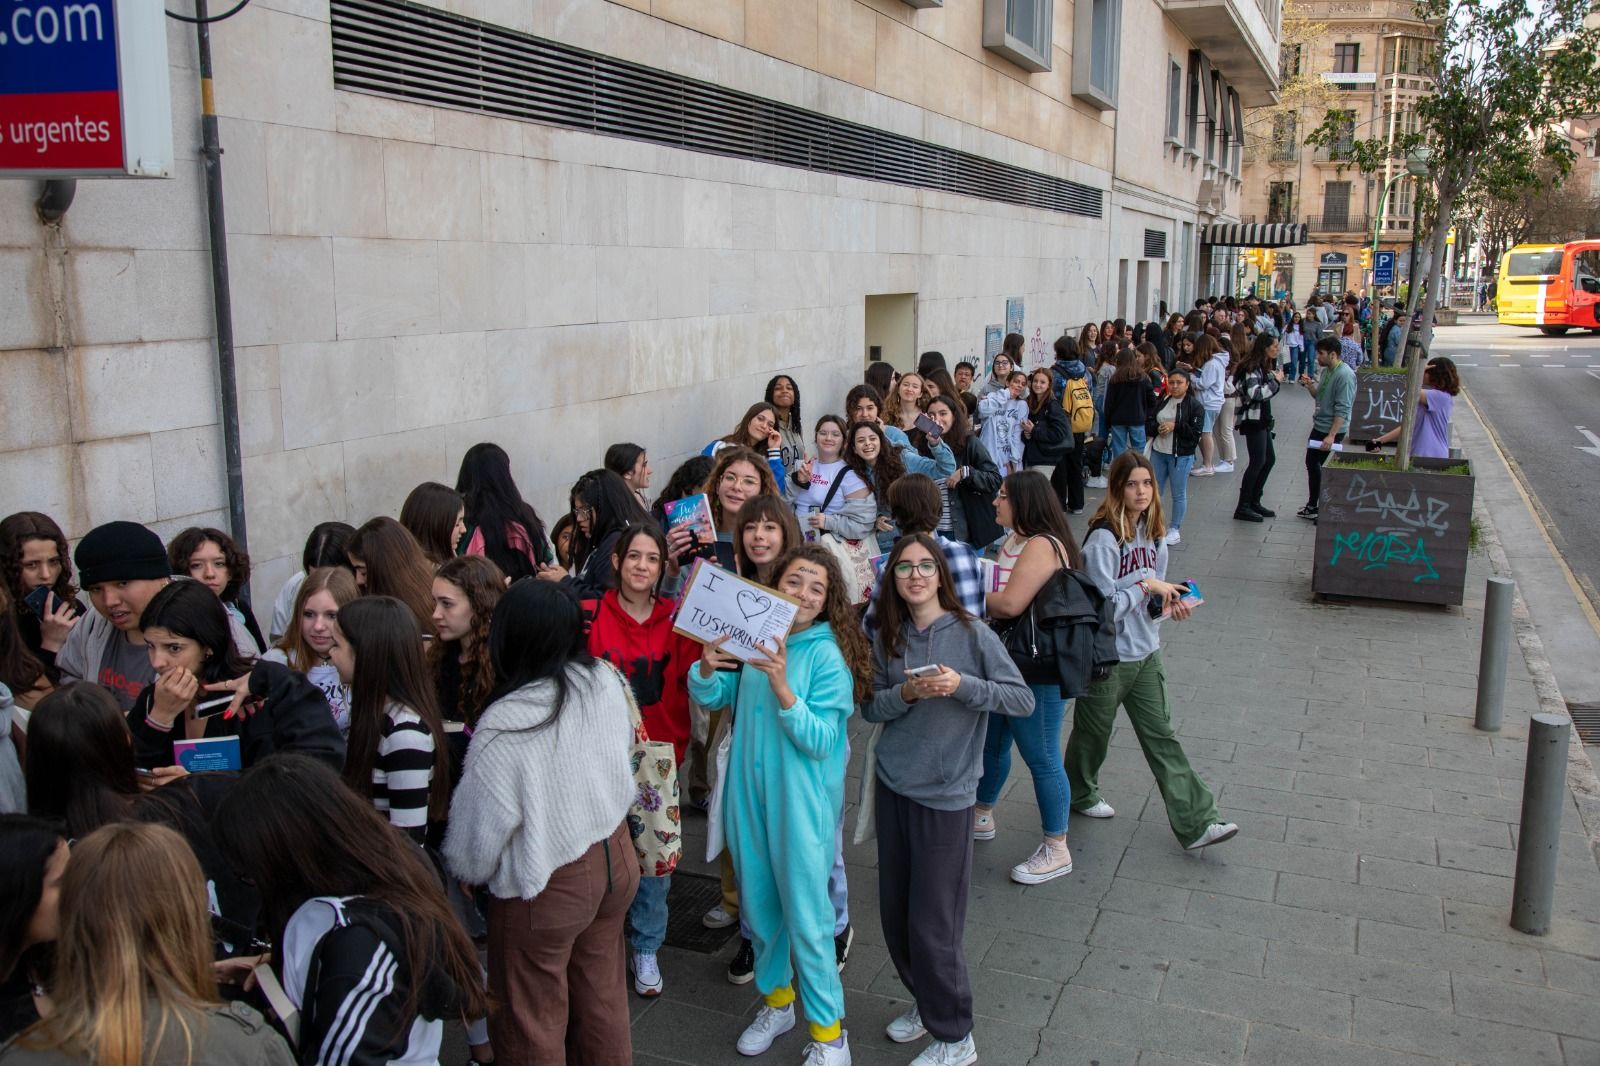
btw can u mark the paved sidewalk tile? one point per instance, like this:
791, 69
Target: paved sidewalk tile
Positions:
1360, 918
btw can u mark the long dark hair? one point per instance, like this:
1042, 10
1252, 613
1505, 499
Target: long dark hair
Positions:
794, 412
1257, 357
725, 458
612, 505
326, 546
80, 759
741, 433
879, 376
430, 513
15, 531
688, 479
234, 558
482, 583
863, 392
188, 609
622, 457
293, 828
537, 635
396, 565
887, 470
20, 669
383, 634
624, 542
26, 845
772, 509
893, 612
837, 611
1038, 401
1036, 511
493, 503
1127, 367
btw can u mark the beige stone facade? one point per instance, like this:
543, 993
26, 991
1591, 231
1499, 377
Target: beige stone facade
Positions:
410, 279
1374, 54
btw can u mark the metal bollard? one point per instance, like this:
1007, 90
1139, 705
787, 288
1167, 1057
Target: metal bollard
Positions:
1496, 642
1543, 797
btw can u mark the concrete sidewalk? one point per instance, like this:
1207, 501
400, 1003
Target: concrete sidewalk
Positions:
1359, 919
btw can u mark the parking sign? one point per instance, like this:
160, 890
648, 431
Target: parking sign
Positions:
1383, 268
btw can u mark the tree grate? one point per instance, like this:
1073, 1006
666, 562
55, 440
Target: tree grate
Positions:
690, 896
1586, 721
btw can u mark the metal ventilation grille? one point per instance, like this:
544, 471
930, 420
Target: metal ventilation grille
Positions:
417, 53
1155, 244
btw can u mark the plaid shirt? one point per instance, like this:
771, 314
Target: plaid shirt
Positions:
966, 577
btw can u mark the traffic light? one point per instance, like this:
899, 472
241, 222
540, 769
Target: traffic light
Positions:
1268, 257
1366, 259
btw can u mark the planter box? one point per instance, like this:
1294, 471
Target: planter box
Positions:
1379, 404
1388, 535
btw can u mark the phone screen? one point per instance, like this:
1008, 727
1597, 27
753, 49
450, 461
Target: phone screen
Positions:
211, 708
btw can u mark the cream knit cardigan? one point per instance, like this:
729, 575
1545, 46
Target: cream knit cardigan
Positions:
530, 802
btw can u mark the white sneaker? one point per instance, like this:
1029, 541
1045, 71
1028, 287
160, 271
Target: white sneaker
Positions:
962, 1053
1048, 862
717, 918
646, 974
1096, 483
1224, 468
1215, 833
983, 827
1202, 471
1174, 537
907, 1027
820, 1054
1101, 809
770, 1023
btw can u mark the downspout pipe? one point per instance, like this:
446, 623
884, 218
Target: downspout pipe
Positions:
222, 299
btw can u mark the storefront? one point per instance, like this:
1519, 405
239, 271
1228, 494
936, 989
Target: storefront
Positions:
1221, 265
1331, 271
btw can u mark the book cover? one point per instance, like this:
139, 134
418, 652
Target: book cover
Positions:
692, 511
208, 753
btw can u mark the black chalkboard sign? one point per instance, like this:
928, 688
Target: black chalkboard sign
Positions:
1380, 401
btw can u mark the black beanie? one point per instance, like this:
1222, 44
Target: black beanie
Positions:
120, 551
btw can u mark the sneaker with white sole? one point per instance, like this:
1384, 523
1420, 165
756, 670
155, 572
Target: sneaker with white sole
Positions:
1048, 862
769, 1024
646, 974
983, 827
907, 1027
820, 1054
1224, 467
961, 1053
1215, 833
1096, 483
1101, 809
1203, 471
1174, 537
742, 970
841, 945
718, 918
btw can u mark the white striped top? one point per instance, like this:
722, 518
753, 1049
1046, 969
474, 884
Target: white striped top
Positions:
403, 772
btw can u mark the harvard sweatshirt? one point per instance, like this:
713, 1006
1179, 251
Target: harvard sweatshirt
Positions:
1116, 570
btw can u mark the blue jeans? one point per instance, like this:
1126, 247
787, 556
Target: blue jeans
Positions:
1038, 737
1173, 470
1124, 438
647, 915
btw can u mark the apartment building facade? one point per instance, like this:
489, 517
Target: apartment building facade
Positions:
561, 223
1376, 57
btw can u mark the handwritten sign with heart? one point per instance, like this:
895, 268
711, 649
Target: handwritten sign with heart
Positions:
719, 603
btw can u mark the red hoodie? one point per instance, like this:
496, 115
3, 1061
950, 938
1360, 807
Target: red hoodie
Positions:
655, 660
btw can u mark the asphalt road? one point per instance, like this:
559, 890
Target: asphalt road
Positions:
1539, 395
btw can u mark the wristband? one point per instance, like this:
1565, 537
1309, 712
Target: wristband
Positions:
157, 726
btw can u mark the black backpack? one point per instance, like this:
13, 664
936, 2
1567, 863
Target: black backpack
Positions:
1067, 636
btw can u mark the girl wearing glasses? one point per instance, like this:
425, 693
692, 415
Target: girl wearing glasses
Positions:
937, 675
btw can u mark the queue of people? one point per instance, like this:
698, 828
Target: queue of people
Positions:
442, 720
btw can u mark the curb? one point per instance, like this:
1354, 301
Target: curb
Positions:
1581, 777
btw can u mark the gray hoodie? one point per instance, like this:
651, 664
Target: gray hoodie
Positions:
1116, 570
931, 751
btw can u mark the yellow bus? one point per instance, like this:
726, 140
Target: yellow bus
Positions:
1554, 287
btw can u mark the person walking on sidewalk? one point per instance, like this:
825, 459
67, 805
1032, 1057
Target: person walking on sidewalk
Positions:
1211, 368
1335, 390
929, 757
1259, 380
1125, 557
1179, 426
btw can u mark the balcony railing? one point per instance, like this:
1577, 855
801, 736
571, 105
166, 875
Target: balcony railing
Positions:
1345, 223
1337, 153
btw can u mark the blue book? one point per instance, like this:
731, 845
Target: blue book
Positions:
208, 753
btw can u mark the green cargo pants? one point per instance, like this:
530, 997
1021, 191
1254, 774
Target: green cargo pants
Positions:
1141, 687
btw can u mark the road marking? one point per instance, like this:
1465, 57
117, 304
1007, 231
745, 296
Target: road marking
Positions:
1554, 366
1594, 442
1538, 355
1541, 521
1501, 355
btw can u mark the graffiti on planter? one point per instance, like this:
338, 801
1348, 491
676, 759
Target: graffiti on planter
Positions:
1377, 550
1383, 405
1407, 509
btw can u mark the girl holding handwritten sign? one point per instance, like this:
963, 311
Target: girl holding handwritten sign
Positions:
784, 792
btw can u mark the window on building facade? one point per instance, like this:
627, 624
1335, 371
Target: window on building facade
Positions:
1020, 31
1213, 116
1344, 136
1174, 100
1346, 58
1335, 204
1288, 62
1411, 55
1236, 125
1095, 70
1191, 135
1285, 139
1280, 201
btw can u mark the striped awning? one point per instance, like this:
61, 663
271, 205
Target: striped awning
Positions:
1255, 234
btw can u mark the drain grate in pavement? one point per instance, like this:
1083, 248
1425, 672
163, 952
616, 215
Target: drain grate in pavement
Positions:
690, 896
1586, 721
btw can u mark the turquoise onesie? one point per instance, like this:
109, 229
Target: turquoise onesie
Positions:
781, 803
